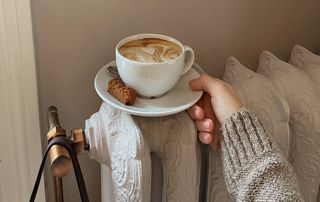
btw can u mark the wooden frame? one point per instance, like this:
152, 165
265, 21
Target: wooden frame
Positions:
20, 145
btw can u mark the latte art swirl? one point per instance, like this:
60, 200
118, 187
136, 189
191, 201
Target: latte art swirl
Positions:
150, 50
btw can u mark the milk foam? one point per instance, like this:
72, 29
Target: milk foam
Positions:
150, 50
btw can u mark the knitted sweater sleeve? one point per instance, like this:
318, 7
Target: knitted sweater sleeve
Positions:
254, 168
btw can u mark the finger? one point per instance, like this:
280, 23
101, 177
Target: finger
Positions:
205, 125
196, 112
206, 83
205, 138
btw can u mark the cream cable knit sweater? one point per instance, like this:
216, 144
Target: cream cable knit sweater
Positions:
254, 168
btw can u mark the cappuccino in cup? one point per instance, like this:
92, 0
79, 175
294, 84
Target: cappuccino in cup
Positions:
150, 50
152, 64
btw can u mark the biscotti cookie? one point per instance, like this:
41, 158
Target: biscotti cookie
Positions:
121, 92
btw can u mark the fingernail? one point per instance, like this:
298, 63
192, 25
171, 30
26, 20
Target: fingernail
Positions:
207, 124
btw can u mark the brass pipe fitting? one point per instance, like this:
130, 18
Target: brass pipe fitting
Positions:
61, 163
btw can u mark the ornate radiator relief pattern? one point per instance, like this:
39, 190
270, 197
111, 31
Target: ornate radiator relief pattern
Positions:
174, 139
308, 62
116, 140
217, 190
304, 104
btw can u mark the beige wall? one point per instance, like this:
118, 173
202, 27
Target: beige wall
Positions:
74, 38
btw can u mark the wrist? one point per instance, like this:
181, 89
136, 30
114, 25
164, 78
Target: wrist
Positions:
229, 111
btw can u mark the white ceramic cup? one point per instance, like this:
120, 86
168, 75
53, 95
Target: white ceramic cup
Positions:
153, 79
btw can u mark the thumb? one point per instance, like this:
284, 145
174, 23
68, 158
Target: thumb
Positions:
204, 82
195, 84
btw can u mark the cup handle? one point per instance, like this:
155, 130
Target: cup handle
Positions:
189, 60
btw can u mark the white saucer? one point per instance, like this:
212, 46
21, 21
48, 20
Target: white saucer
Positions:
181, 97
